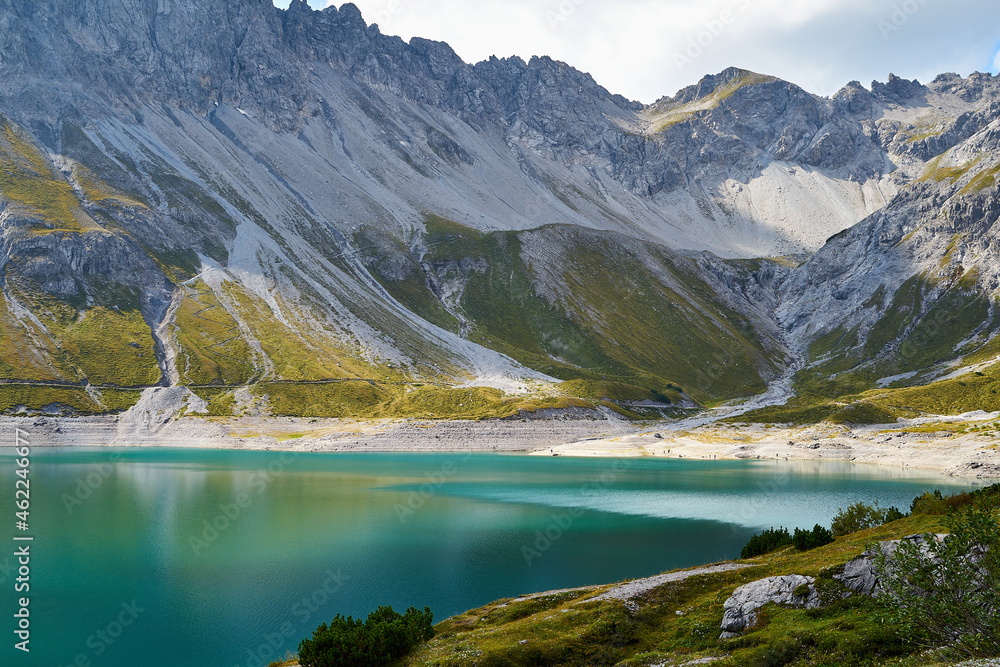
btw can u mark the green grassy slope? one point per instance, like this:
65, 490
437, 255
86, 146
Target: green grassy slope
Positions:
621, 311
678, 622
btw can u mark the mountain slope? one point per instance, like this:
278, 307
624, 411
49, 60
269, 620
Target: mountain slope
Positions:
909, 295
227, 194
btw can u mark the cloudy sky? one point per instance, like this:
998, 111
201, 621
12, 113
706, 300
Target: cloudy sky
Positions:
645, 49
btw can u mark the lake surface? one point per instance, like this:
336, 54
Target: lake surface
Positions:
167, 557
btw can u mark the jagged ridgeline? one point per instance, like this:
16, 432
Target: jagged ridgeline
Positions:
287, 204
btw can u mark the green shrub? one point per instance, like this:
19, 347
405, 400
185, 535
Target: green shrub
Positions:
383, 638
615, 628
987, 498
770, 540
893, 514
777, 654
945, 593
862, 516
936, 503
804, 540
864, 412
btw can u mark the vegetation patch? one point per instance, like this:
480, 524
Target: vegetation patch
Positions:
221, 401
353, 398
952, 319
864, 412
796, 412
98, 192
26, 353
619, 391
975, 391
29, 180
212, 349
862, 516
680, 621
984, 179
833, 342
372, 399
298, 351
906, 304
935, 171
447, 402
946, 397
943, 593
804, 540
449, 240
52, 399
108, 347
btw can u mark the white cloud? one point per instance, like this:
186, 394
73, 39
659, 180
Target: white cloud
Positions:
648, 48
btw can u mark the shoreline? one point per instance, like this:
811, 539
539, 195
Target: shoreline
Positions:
944, 446
937, 445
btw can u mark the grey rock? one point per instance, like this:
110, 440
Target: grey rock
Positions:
742, 606
898, 91
861, 575
298, 150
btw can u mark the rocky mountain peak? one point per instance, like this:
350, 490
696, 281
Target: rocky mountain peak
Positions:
296, 175
856, 100
712, 82
971, 89
898, 91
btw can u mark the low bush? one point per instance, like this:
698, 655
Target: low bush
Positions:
936, 503
804, 540
383, 638
987, 498
770, 540
945, 592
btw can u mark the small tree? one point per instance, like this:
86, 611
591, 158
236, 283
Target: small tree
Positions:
861, 516
893, 514
945, 592
857, 516
804, 540
770, 540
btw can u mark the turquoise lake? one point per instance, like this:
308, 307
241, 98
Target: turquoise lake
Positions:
181, 557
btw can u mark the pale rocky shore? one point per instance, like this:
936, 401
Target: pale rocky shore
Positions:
896, 445
966, 445
320, 435
945, 444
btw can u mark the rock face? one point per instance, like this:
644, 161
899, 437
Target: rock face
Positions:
290, 194
861, 575
742, 606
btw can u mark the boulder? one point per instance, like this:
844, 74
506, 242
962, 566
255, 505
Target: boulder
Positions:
861, 575
742, 606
